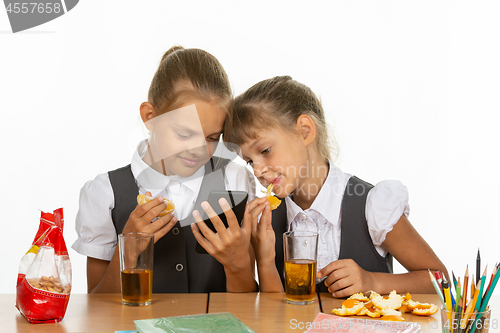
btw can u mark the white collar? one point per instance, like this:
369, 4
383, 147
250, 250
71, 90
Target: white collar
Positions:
329, 199
155, 182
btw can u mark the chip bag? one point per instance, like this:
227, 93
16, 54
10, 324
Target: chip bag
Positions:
44, 279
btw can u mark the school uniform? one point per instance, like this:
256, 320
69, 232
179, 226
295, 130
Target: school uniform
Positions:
107, 201
352, 218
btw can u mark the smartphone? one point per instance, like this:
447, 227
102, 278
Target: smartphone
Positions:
237, 200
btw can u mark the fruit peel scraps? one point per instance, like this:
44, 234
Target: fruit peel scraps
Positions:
388, 308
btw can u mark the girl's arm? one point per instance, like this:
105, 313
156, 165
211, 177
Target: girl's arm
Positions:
263, 241
412, 251
345, 277
104, 276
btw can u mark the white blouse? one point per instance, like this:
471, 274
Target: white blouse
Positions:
385, 204
94, 225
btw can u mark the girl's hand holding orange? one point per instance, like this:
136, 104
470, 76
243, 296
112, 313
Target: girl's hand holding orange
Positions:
345, 278
141, 217
263, 237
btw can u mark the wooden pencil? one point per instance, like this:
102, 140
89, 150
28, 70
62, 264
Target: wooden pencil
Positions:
472, 303
464, 293
478, 266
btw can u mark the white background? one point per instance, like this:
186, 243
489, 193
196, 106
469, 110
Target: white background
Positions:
410, 89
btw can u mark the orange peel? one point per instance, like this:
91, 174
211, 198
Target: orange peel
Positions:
393, 301
360, 297
142, 199
426, 312
345, 311
390, 307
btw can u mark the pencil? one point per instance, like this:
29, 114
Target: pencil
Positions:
459, 294
478, 266
484, 302
470, 307
464, 293
472, 287
436, 287
447, 297
439, 279
492, 277
454, 280
479, 298
486, 299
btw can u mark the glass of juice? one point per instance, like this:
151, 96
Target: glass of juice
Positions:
136, 267
300, 248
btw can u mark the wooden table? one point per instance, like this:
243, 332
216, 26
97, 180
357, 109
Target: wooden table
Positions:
102, 313
263, 312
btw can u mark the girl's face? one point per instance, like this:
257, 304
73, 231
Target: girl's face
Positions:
277, 157
186, 138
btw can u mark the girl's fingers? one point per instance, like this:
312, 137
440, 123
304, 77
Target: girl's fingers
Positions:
164, 225
207, 232
202, 240
344, 292
246, 223
151, 209
216, 221
255, 202
232, 221
160, 223
264, 220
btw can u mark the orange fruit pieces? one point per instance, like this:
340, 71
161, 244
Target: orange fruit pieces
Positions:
275, 202
142, 199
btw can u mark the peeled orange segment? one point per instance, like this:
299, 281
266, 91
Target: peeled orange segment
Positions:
142, 199
275, 202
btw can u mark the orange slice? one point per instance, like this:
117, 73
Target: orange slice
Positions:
142, 199
275, 202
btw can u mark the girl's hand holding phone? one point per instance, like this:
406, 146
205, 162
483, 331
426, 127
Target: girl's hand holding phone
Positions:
345, 278
230, 246
141, 217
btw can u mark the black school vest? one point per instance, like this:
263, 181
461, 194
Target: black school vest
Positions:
178, 268
355, 240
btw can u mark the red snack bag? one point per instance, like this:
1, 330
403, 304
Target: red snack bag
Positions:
44, 279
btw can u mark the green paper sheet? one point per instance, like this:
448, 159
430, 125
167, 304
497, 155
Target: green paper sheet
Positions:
205, 323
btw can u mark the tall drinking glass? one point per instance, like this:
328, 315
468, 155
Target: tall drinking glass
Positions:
136, 267
300, 248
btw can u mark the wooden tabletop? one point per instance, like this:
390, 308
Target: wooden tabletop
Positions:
263, 312
102, 313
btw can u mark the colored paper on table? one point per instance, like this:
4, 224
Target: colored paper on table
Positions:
213, 322
335, 324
